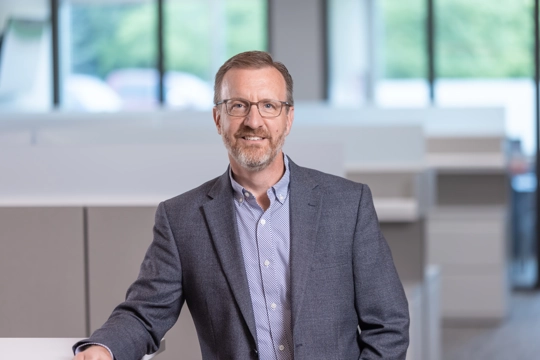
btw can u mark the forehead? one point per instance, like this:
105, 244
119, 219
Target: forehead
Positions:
261, 83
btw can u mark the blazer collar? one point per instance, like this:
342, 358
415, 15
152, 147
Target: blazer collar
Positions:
305, 210
221, 219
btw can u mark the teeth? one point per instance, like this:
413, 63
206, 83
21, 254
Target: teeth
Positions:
252, 138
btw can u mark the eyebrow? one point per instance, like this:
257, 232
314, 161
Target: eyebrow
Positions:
244, 99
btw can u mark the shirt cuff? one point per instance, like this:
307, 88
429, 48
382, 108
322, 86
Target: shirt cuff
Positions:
82, 347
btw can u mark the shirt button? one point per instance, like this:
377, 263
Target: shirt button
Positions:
240, 200
263, 221
281, 347
266, 263
273, 306
247, 194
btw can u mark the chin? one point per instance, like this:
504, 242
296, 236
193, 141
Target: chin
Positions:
252, 158
254, 163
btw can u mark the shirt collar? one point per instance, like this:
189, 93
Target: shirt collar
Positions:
280, 189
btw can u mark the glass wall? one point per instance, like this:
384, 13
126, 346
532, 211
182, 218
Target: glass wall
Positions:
402, 47
377, 53
349, 32
200, 35
484, 56
25, 56
109, 55
110, 50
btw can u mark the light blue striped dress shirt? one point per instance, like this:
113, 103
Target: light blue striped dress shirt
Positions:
265, 240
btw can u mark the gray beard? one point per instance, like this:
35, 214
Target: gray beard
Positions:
252, 161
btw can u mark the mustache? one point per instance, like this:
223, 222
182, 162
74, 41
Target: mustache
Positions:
247, 131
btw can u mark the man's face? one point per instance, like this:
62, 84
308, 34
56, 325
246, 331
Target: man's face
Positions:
253, 141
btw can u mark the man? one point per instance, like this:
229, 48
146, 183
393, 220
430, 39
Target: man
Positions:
275, 261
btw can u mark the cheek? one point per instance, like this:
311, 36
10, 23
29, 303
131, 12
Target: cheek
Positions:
228, 129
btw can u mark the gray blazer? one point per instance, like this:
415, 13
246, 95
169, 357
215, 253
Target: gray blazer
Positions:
342, 277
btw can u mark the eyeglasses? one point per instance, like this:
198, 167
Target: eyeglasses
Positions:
241, 107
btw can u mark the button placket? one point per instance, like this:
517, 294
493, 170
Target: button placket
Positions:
270, 285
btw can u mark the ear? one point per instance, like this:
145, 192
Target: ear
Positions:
290, 120
217, 118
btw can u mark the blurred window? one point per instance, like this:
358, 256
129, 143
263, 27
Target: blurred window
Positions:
109, 55
200, 36
349, 66
25, 56
402, 47
112, 46
377, 53
484, 57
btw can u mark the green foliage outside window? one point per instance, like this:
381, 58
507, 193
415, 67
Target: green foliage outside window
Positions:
403, 38
109, 37
473, 39
482, 38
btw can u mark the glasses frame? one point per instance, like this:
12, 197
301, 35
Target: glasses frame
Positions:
251, 103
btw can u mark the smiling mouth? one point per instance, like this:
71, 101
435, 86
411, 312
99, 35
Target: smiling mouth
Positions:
253, 138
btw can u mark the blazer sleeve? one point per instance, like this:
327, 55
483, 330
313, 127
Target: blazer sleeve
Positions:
381, 304
153, 301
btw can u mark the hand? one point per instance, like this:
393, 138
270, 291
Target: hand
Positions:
94, 352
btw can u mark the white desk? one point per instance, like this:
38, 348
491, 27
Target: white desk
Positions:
45, 348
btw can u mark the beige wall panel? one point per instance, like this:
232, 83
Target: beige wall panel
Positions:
118, 239
406, 240
467, 241
472, 189
474, 296
469, 144
41, 272
389, 184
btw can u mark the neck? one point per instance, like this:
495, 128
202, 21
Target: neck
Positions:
258, 182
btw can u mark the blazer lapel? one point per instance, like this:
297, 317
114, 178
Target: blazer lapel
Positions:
305, 205
220, 215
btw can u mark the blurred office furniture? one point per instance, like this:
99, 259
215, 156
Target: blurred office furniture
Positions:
467, 229
48, 348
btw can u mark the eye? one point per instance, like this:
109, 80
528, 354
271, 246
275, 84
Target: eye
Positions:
269, 105
237, 104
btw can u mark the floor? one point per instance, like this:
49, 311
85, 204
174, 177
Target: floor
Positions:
517, 338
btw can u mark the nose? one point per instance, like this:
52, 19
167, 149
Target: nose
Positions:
254, 119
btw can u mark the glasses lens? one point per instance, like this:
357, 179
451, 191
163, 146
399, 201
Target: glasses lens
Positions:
269, 108
237, 107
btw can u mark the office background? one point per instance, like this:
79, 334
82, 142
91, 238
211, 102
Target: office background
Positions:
433, 103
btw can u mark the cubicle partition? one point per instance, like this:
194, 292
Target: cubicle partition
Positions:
42, 280
468, 227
